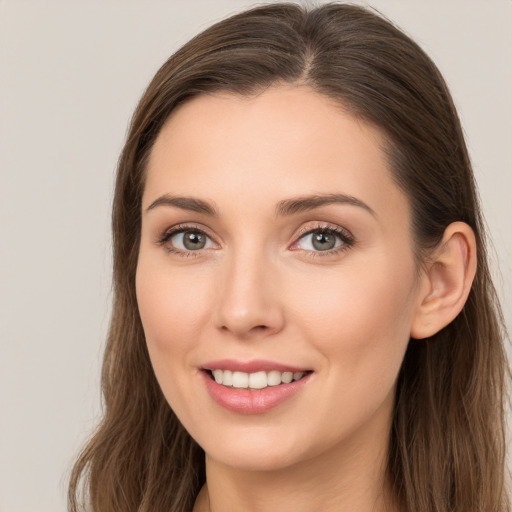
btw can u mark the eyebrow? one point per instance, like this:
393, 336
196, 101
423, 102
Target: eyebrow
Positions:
185, 203
306, 203
284, 208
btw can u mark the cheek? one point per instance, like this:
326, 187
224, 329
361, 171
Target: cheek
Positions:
171, 306
358, 319
359, 316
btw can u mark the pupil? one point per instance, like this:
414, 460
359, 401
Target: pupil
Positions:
193, 240
324, 241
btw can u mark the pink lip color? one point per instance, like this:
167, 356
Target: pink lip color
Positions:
256, 401
255, 365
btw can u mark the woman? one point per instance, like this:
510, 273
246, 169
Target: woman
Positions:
303, 314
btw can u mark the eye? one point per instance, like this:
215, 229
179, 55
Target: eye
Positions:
190, 240
185, 240
324, 239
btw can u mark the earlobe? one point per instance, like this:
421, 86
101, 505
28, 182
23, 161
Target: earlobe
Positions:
446, 282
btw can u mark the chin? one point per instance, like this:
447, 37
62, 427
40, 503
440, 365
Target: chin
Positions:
257, 450
255, 459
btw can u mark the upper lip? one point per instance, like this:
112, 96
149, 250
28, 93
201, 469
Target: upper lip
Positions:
252, 366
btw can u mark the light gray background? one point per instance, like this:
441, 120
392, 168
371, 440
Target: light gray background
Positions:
71, 72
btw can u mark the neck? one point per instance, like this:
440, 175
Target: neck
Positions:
356, 481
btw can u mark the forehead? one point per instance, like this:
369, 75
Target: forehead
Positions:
285, 141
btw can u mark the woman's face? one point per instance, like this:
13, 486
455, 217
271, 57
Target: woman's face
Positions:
275, 245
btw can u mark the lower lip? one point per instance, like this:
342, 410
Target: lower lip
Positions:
252, 401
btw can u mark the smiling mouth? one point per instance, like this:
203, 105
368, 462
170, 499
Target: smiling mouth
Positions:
256, 380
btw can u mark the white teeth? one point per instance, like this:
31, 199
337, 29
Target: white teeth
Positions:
257, 380
240, 380
227, 378
287, 377
274, 378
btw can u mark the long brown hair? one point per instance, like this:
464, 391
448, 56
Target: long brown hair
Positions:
447, 441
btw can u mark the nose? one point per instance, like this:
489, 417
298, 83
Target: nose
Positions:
249, 304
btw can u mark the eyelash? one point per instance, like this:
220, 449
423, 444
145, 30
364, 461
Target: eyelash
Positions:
180, 228
347, 240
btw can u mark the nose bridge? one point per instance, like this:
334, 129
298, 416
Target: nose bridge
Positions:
248, 303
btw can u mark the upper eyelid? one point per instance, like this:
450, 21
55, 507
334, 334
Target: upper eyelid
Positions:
327, 226
182, 227
165, 237
346, 237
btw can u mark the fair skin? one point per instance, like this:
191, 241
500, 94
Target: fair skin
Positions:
329, 286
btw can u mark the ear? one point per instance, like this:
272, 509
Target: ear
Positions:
446, 281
